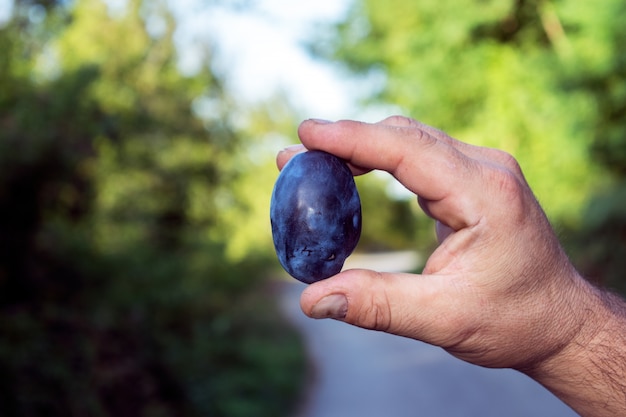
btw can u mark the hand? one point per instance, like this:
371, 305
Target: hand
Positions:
498, 291
498, 259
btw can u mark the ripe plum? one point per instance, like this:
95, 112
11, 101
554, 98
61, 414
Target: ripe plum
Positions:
315, 213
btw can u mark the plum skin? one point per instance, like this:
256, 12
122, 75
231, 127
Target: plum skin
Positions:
315, 212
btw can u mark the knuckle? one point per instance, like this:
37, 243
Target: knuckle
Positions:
375, 309
506, 161
397, 120
509, 196
508, 184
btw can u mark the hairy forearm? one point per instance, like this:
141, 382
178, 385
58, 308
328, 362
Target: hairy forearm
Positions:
589, 374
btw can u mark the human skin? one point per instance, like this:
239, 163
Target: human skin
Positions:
498, 291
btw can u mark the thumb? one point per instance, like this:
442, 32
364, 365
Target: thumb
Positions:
404, 304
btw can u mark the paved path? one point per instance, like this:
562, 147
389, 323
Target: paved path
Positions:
360, 373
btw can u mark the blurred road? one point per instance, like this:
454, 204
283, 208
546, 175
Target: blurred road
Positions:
371, 374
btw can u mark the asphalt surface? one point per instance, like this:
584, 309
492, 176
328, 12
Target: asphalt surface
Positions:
361, 373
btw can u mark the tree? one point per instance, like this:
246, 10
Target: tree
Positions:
543, 80
487, 72
599, 244
117, 296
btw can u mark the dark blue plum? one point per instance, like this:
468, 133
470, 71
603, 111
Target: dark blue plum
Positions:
316, 216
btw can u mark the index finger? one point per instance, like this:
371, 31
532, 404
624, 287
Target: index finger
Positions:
432, 168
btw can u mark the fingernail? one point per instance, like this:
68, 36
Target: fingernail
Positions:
321, 121
333, 306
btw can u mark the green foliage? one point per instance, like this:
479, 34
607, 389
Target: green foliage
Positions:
543, 80
118, 292
390, 222
599, 245
492, 73
601, 75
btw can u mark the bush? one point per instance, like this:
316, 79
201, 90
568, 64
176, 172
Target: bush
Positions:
599, 246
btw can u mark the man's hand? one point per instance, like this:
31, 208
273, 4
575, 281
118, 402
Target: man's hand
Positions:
499, 290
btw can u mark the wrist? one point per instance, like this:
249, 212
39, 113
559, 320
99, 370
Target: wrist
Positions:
587, 372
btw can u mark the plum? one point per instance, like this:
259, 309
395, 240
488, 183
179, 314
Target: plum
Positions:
315, 213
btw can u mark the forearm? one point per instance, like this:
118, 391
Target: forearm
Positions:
589, 374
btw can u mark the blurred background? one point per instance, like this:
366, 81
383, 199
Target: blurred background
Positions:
137, 144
